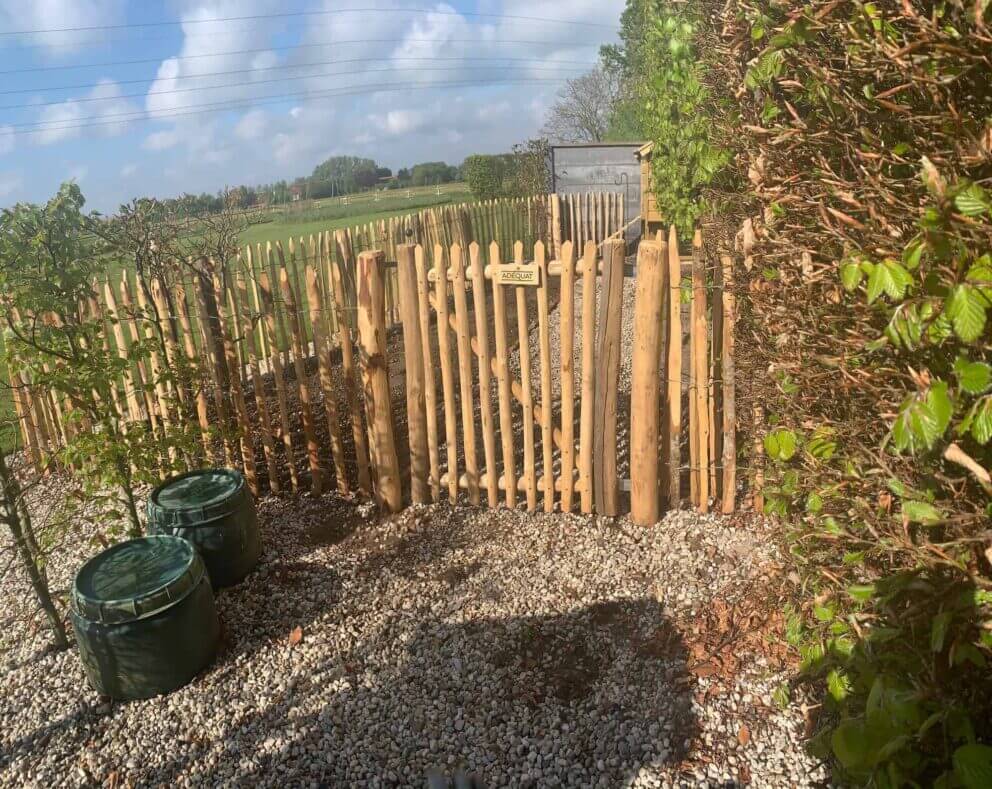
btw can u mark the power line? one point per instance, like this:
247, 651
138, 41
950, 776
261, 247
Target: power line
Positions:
253, 83
281, 67
290, 47
388, 87
292, 14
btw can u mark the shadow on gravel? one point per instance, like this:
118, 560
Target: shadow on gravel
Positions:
591, 694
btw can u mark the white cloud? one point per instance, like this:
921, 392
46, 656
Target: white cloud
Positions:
6, 139
161, 140
397, 123
101, 114
184, 81
10, 183
258, 141
252, 125
17, 15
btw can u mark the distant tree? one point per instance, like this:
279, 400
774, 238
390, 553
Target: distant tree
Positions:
350, 173
584, 108
530, 173
485, 174
429, 173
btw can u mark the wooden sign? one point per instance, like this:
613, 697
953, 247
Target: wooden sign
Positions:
517, 274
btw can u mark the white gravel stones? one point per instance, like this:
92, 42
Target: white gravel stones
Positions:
532, 650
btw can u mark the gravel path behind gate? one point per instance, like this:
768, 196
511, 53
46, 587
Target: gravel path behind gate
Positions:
534, 650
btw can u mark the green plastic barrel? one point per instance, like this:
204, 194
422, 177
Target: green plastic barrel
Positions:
215, 511
144, 617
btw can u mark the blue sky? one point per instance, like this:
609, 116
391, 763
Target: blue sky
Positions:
214, 103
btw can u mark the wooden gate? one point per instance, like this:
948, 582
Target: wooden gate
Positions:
490, 374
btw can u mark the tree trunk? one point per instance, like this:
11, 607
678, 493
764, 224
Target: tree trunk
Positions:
127, 497
10, 502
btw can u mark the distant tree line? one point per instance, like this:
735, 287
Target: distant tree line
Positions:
336, 176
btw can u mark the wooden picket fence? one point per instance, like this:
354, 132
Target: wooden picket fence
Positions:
553, 219
482, 418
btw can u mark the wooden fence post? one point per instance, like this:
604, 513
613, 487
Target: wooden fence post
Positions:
701, 375
728, 374
430, 385
447, 372
587, 415
375, 375
674, 371
567, 354
544, 341
503, 381
463, 335
527, 401
485, 373
645, 387
415, 386
608, 380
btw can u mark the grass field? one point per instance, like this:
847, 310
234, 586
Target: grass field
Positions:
334, 213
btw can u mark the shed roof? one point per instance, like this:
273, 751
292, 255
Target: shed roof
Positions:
645, 150
631, 144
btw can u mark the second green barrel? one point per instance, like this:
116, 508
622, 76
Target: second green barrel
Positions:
214, 510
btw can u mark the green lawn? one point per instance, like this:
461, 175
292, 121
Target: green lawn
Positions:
333, 213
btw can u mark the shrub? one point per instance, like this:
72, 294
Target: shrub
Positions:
869, 128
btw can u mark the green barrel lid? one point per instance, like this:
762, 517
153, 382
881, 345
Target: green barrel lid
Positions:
196, 497
136, 579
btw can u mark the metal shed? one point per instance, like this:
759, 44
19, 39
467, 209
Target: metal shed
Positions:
579, 168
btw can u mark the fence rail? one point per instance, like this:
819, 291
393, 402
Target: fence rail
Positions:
297, 381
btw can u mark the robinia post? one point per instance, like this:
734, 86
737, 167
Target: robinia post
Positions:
375, 379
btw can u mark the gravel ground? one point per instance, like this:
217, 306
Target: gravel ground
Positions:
533, 650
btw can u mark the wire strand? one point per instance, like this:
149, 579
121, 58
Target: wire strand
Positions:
284, 67
298, 14
110, 120
292, 47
